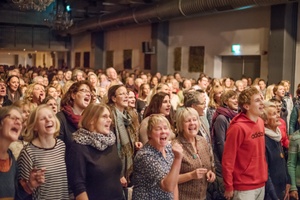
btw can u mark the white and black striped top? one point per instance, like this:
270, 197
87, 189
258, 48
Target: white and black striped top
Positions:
53, 159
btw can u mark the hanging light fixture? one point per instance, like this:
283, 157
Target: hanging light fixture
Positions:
39, 5
60, 18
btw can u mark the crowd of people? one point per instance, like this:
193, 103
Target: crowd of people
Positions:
94, 134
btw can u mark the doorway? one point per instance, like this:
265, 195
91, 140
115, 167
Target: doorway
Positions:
237, 66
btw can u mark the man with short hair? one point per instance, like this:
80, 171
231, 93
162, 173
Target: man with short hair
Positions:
78, 75
244, 165
60, 77
112, 76
202, 84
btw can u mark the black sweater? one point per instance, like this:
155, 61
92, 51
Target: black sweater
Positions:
95, 172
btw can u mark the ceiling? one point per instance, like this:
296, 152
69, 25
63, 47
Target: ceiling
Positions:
81, 9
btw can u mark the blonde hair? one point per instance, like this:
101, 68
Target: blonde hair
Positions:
154, 119
269, 92
267, 106
28, 96
182, 114
30, 134
215, 89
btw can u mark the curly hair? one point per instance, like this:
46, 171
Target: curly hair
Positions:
67, 99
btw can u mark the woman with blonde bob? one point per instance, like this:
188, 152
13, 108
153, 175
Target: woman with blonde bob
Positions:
157, 163
44, 153
94, 167
196, 166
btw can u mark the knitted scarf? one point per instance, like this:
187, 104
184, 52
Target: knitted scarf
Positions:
227, 112
126, 138
74, 119
273, 135
96, 140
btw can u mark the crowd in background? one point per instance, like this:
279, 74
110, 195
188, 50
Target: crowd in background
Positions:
99, 134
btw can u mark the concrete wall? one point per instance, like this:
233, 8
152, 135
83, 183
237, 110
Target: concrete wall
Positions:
128, 38
249, 28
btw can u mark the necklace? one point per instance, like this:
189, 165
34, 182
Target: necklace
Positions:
196, 153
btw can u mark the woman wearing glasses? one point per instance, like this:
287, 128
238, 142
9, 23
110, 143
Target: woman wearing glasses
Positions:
10, 128
125, 126
73, 103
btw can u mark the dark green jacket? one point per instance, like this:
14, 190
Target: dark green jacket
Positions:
294, 160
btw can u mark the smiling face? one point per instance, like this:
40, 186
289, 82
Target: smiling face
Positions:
256, 106
131, 99
159, 136
191, 125
232, 103
165, 106
14, 83
68, 75
11, 126
45, 124
83, 97
103, 123
273, 118
25, 112
52, 92
280, 91
146, 90
94, 80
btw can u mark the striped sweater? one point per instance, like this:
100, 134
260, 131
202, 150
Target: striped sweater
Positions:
53, 159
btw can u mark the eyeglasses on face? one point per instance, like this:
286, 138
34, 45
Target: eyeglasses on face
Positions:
2, 85
85, 91
14, 118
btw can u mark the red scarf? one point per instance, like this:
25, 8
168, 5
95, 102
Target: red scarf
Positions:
74, 119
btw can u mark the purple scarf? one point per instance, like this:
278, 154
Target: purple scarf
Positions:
227, 112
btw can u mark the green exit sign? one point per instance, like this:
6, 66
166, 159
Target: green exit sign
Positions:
236, 48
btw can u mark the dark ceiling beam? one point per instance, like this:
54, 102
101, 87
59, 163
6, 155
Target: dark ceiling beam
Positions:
164, 11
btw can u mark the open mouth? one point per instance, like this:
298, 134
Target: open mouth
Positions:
87, 99
163, 139
192, 128
49, 125
15, 129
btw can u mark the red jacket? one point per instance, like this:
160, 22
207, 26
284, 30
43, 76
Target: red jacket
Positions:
244, 163
285, 139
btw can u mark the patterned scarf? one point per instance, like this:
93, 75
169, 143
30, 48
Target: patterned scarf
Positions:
96, 140
126, 138
74, 119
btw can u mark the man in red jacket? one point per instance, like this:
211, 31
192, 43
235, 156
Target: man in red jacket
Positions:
244, 163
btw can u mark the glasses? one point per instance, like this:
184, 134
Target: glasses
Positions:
85, 91
14, 118
2, 85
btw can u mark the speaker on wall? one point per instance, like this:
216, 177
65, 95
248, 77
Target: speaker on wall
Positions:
145, 47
